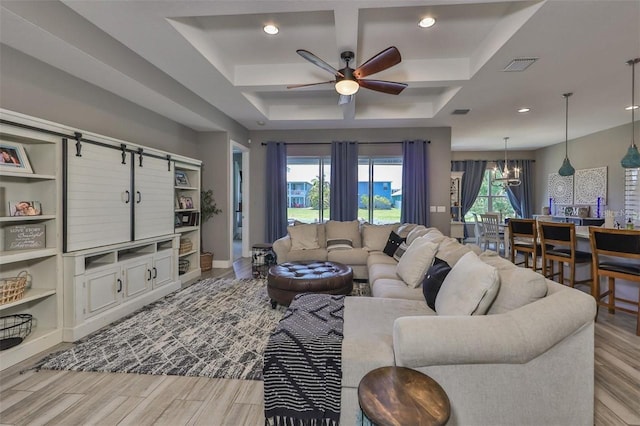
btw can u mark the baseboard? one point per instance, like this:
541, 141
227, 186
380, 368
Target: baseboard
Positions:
222, 264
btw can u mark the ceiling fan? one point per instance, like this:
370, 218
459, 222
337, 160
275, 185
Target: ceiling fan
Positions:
348, 80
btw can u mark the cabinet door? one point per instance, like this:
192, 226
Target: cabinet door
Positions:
98, 208
102, 290
163, 268
153, 198
137, 277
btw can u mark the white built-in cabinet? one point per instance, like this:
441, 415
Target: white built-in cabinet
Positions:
104, 284
190, 259
108, 207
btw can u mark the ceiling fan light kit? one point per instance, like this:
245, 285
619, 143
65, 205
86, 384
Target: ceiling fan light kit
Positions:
348, 80
631, 160
566, 169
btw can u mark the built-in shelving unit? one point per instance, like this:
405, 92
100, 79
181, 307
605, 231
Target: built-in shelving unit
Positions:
187, 221
43, 296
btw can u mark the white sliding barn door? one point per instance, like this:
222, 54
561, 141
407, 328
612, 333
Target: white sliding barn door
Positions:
153, 198
98, 208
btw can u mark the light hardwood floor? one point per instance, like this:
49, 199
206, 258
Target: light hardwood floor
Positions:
71, 398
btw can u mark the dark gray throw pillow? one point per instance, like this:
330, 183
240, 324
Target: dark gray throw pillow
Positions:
433, 281
393, 243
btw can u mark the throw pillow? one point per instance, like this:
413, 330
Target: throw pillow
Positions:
433, 281
405, 228
374, 237
416, 233
339, 244
400, 251
338, 229
415, 261
303, 237
393, 242
469, 289
450, 250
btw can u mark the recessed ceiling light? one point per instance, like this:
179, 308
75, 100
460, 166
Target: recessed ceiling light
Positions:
427, 22
271, 29
524, 110
629, 108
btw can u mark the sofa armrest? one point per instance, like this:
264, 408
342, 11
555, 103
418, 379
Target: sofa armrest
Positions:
515, 337
282, 247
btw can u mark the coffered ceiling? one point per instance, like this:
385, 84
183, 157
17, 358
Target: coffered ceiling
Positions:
191, 60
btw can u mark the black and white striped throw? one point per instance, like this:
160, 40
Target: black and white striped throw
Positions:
303, 363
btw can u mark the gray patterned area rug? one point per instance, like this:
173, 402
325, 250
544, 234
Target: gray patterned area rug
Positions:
214, 328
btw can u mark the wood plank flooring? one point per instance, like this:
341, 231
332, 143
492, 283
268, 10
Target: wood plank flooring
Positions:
72, 398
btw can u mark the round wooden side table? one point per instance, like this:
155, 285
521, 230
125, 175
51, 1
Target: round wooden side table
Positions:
401, 396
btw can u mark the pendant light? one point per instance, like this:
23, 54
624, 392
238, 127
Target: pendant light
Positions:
632, 159
566, 169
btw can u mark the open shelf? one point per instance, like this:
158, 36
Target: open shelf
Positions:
187, 253
34, 176
7, 257
29, 296
26, 218
182, 229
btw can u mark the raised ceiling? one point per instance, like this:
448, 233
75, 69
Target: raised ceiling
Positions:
189, 60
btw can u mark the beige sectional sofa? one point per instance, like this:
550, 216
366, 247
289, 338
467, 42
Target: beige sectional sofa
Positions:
508, 346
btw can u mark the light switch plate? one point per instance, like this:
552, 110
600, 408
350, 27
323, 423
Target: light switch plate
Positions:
441, 209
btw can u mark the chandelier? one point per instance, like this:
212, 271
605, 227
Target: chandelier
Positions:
506, 177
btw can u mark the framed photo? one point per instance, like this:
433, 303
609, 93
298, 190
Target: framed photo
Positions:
186, 202
13, 158
25, 208
181, 178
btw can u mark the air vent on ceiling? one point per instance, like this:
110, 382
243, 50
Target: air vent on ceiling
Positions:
460, 111
519, 64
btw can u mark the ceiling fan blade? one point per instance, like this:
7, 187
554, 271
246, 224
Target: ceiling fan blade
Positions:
295, 86
380, 62
345, 99
390, 87
318, 62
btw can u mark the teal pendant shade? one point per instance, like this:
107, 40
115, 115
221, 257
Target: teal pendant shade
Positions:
632, 159
567, 169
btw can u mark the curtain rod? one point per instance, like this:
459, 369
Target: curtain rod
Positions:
328, 143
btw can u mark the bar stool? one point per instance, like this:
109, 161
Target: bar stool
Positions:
558, 242
620, 243
523, 238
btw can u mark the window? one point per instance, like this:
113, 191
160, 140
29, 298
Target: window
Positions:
308, 189
491, 198
379, 189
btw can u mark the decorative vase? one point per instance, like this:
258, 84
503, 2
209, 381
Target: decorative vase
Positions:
206, 260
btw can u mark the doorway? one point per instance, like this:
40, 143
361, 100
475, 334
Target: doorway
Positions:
239, 201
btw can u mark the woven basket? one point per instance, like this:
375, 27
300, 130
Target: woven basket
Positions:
12, 288
206, 261
14, 329
183, 266
185, 246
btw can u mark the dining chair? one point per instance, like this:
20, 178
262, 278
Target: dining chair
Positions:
491, 226
620, 249
558, 242
478, 229
523, 238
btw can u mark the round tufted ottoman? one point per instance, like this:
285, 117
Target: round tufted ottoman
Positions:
286, 280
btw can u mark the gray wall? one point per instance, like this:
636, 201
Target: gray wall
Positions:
34, 88
605, 148
439, 162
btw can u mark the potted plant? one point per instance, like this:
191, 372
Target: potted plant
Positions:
208, 209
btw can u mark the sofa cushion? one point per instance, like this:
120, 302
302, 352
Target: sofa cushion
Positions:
339, 244
322, 240
450, 250
400, 251
356, 256
374, 237
416, 260
311, 254
393, 242
303, 237
339, 229
469, 289
395, 288
434, 236
518, 287
405, 228
378, 257
383, 270
416, 233
433, 281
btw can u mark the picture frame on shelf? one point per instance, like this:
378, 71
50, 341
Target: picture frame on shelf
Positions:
181, 178
25, 208
13, 158
186, 202
178, 221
